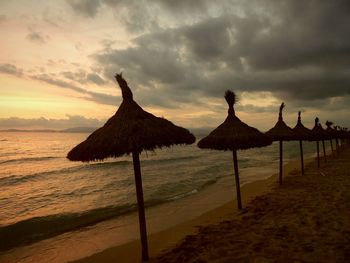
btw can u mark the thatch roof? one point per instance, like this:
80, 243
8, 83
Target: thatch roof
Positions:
233, 134
332, 133
338, 132
318, 132
344, 133
300, 131
130, 129
280, 132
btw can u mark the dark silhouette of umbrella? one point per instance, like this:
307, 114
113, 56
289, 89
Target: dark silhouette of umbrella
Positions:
324, 137
318, 135
345, 136
131, 130
233, 135
280, 132
337, 136
330, 134
301, 133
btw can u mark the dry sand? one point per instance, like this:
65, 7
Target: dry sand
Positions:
305, 220
275, 225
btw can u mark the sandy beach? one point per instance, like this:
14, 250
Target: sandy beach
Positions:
305, 220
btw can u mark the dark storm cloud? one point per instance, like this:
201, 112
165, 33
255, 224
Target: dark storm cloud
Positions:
87, 8
298, 51
136, 15
311, 33
184, 5
208, 39
10, 69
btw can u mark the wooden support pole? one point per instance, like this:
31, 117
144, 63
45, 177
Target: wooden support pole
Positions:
337, 145
332, 147
238, 189
301, 157
324, 151
140, 205
281, 162
318, 153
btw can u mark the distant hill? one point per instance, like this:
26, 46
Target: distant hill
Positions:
201, 132
19, 130
80, 129
198, 132
72, 130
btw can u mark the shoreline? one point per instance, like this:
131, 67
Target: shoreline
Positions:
163, 240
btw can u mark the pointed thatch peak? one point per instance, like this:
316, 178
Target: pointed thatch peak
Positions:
280, 118
126, 91
299, 117
280, 132
231, 99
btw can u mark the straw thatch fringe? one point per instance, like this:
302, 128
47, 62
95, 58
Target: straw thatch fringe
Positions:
233, 134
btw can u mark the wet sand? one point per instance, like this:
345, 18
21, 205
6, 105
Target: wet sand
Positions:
193, 240
305, 220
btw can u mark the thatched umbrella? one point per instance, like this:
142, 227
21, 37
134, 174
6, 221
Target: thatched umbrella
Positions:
280, 132
330, 132
131, 130
345, 133
301, 133
324, 137
233, 135
336, 136
318, 134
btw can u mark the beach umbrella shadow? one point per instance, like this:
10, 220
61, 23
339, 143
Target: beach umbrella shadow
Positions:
130, 131
301, 133
233, 135
280, 132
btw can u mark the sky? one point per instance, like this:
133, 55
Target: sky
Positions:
58, 60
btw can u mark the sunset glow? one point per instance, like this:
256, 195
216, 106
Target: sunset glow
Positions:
58, 58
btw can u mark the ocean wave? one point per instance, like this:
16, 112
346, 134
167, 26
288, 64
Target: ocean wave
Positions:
29, 159
169, 160
38, 228
19, 179
180, 196
16, 179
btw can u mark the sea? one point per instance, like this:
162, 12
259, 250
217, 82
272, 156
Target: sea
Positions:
43, 194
